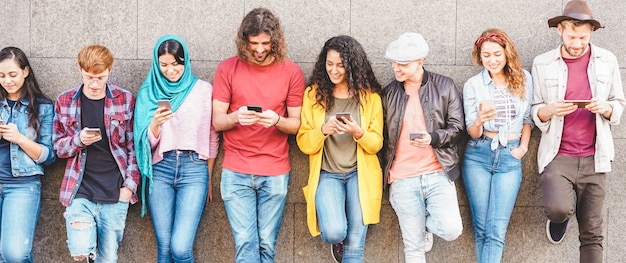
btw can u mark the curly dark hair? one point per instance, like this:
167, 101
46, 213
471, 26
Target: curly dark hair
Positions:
30, 89
261, 20
359, 74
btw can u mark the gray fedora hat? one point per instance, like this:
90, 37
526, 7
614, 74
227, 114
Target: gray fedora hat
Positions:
578, 10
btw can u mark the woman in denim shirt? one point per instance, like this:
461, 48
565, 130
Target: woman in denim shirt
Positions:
497, 115
25, 144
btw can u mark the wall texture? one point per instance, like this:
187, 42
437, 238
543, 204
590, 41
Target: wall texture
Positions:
51, 32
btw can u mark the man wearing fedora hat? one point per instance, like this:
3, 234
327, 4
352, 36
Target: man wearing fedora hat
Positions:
424, 122
577, 98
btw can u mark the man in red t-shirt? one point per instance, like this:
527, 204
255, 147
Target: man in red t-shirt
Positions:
257, 97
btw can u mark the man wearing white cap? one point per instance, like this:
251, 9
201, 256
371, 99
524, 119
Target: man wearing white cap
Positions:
577, 98
423, 124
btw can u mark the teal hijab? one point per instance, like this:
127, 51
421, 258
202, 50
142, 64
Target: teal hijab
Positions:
157, 87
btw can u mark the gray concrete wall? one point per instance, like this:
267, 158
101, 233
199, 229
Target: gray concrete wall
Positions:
51, 32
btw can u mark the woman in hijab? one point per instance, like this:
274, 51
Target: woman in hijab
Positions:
176, 147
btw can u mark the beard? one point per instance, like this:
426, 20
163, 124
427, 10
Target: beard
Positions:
574, 53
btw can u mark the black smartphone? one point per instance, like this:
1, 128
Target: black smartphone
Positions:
340, 115
164, 104
256, 108
416, 135
93, 131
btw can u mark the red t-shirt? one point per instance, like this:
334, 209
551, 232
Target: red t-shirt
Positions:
253, 149
579, 132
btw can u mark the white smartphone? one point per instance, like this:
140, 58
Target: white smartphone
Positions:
487, 104
164, 104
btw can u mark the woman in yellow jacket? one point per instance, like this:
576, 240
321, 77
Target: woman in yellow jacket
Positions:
341, 131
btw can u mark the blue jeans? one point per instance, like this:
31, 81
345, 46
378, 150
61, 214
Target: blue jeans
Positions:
492, 181
254, 205
339, 213
19, 211
176, 203
425, 202
104, 230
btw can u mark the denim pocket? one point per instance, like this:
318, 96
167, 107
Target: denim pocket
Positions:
196, 159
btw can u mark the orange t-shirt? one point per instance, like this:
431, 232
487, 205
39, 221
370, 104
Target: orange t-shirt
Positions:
409, 160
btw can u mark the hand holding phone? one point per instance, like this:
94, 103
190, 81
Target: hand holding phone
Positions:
93, 131
255, 108
340, 115
487, 104
416, 135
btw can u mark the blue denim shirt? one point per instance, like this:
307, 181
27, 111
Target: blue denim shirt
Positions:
480, 87
21, 163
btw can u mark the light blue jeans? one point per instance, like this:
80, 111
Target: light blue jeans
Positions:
19, 211
101, 238
492, 180
176, 203
425, 202
254, 205
339, 213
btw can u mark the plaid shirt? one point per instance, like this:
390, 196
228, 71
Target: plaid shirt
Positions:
119, 105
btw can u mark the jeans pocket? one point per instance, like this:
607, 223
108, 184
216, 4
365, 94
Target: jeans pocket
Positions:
196, 159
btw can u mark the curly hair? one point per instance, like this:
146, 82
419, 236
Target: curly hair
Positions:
359, 74
261, 20
513, 69
30, 89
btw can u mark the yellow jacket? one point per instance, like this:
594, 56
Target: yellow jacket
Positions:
311, 141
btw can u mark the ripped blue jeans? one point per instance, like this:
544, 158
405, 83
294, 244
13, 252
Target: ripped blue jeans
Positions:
95, 229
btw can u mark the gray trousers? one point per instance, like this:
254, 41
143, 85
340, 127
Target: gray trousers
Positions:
571, 185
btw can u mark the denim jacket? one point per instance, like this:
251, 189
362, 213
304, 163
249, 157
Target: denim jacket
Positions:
21, 163
480, 87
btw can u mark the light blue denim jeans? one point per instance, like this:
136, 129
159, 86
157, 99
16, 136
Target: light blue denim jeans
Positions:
19, 211
339, 213
492, 180
101, 238
254, 205
425, 203
177, 202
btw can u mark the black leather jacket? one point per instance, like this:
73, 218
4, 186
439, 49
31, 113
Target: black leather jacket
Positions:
443, 111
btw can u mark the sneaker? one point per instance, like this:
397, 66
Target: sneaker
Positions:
337, 251
428, 240
556, 231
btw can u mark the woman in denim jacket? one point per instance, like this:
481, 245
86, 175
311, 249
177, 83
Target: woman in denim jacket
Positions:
25, 145
497, 116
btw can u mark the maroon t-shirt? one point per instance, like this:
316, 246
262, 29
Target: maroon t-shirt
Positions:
579, 130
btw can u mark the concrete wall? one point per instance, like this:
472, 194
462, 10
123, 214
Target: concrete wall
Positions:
51, 32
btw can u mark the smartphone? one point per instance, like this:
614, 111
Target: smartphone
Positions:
256, 108
416, 135
2, 122
93, 131
340, 115
487, 104
164, 104
580, 103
